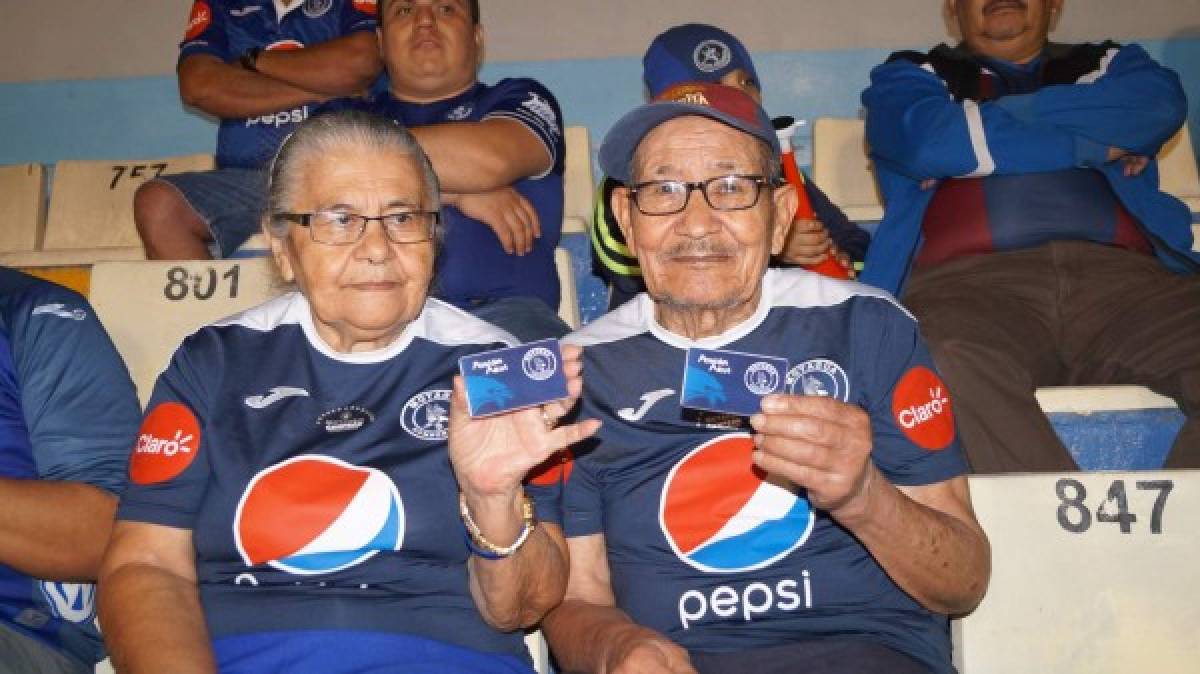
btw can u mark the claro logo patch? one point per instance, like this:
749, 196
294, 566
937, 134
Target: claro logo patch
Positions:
166, 445
198, 21
922, 409
365, 6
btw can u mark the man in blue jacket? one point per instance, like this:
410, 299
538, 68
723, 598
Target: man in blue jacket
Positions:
1025, 226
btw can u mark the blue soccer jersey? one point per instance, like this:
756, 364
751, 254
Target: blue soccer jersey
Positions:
228, 28
705, 548
67, 412
320, 497
473, 267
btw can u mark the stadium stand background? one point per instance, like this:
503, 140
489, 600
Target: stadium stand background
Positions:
96, 80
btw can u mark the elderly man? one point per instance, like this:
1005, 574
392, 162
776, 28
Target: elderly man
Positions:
68, 412
499, 154
261, 67
1026, 229
696, 52
836, 528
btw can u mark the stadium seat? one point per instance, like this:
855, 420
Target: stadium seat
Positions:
148, 307
578, 188
1089, 574
72, 256
91, 203
841, 167
1177, 169
22, 205
568, 304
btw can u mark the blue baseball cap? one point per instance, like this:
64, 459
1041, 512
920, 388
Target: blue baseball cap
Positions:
693, 52
725, 104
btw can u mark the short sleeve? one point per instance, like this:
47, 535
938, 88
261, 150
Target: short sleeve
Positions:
912, 414
205, 31
169, 464
545, 485
79, 403
583, 500
531, 104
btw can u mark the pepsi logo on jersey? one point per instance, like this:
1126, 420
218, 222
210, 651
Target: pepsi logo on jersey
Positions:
317, 514
166, 444
722, 515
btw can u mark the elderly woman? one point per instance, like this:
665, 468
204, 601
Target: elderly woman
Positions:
306, 473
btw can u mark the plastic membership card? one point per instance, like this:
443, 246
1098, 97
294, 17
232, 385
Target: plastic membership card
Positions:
730, 381
513, 378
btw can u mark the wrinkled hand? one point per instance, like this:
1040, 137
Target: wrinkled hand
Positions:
492, 455
818, 443
510, 215
647, 654
807, 243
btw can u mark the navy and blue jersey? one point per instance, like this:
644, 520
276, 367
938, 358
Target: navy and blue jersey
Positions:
704, 547
68, 410
318, 490
473, 267
227, 28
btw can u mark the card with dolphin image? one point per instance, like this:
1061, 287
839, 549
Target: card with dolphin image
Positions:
509, 379
730, 381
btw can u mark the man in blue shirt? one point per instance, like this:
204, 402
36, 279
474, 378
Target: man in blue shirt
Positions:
68, 414
261, 67
829, 533
499, 154
1026, 228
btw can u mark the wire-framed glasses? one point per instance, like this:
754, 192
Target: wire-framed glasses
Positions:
338, 228
723, 193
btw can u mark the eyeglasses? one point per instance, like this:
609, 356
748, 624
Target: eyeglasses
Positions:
723, 193
336, 228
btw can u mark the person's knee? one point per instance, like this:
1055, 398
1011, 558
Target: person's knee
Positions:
159, 209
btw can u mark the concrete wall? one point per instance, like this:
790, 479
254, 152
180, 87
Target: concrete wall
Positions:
95, 79
68, 39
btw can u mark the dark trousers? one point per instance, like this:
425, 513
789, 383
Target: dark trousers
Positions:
1066, 313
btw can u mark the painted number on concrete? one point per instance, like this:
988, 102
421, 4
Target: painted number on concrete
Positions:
1075, 515
202, 285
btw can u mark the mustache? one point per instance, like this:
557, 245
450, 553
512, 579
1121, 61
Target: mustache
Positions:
699, 248
993, 4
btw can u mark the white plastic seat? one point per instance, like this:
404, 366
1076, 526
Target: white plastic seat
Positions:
842, 169
91, 202
568, 304
1075, 590
22, 205
1177, 169
578, 187
148, 307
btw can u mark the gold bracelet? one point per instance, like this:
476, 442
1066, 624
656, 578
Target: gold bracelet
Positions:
481, 546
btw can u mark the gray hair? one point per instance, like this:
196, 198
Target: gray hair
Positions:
328, 132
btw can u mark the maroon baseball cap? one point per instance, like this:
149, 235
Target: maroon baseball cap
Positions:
728, 105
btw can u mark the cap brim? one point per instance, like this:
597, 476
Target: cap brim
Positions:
616, 152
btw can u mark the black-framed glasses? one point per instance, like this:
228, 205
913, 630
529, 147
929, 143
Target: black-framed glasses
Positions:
723, 193
337, 228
